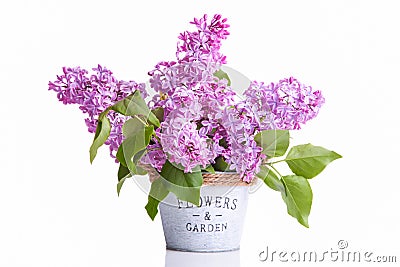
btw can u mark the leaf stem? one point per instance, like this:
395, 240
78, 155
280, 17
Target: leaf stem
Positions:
281, 160
280, 177
145, 123
274, 169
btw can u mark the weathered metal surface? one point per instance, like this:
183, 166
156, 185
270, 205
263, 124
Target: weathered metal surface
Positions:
215, 225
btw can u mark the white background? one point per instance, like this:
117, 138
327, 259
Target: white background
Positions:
58, 210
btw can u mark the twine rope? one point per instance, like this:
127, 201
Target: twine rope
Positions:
219, 178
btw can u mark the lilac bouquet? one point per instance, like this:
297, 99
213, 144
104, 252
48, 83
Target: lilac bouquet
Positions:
196, 123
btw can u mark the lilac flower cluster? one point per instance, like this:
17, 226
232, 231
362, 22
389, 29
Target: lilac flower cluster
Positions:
189, 94
196, 104
95, 93
284, 105
182, 141
167, 77
201, 119
204, 44
245, 155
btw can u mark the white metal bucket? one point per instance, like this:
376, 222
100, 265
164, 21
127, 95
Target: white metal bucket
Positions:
214, 226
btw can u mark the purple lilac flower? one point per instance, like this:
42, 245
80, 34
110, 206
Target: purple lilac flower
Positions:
198, 58
94, 94
284, 105
198, 117
187, 80
243, 154
168, 76
181, 140
203, 44
155, 156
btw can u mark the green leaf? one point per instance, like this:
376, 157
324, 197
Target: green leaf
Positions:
273, 142
137, 137
102, 132
308, 160
159, 112
298, 197
271, 179
220, 164
119, 185
136, 158
210, 169
132, 164
157, 193
132, 126
134, 132
148, 132
220, 74
123, 172
186, 186
132, 105
135, 105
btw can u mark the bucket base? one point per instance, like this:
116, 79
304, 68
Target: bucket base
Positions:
202, 251
183, 259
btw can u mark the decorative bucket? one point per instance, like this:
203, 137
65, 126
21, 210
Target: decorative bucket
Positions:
213, 226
